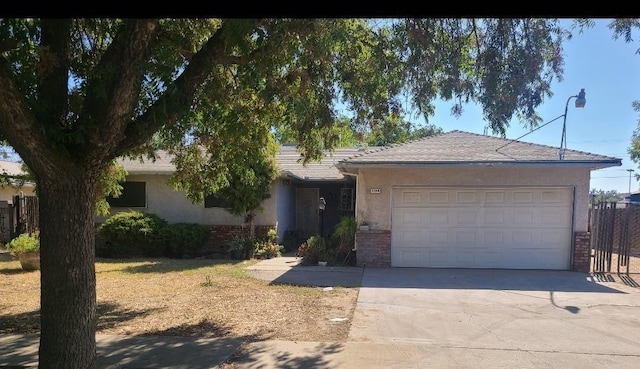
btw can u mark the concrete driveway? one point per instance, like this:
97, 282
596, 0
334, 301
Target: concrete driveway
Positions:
455, 318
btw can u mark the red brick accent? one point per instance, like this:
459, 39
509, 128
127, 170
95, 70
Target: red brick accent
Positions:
582, 252
373, 248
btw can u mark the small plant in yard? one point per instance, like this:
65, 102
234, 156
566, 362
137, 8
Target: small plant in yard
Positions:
208, 282
27, 248
26, 242
266, 247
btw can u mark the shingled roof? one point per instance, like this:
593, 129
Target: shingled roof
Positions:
287, 159
458, 147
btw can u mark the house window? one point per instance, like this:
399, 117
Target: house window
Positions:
346, 199
213, 201
133, 196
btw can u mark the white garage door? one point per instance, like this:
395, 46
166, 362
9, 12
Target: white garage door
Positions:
512, 228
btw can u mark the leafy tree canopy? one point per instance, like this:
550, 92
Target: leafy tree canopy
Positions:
598, 195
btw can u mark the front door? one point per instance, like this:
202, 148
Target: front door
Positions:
307, 212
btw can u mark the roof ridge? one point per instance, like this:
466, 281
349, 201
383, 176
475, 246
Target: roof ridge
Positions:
511, 140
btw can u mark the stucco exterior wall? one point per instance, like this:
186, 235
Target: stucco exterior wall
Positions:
377, 207
174, 206
285, 207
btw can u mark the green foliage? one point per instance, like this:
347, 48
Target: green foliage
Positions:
26, 242
241, 247
132, 233
266, 246
598, 196
345, 235
316, 249
260, 247
110, 185
182, 240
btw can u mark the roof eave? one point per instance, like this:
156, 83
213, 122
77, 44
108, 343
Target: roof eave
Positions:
595, 164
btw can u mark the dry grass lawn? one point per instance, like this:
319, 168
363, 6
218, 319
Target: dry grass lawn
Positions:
188, 297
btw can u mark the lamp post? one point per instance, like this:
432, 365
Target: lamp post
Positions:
630, 171
580, 102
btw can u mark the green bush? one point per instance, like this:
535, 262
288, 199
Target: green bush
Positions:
26, 242
266, 247
183, 240
344, 237
315, 249
131, 234
241, 247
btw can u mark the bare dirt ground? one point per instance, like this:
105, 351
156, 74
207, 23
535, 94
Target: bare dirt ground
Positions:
188, 297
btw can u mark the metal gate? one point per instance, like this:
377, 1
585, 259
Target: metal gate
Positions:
611, 239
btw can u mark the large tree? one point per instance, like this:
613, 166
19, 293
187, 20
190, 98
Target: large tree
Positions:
77, 93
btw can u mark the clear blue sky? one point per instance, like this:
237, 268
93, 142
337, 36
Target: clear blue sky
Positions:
609, 71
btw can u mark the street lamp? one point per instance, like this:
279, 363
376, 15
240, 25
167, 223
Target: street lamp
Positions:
580, 102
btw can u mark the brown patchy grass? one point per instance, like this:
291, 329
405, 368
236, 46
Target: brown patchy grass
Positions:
206, 298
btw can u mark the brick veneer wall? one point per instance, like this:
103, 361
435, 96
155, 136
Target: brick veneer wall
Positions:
582, 252
373, 248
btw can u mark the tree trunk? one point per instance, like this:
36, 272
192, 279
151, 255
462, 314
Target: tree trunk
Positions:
252, 225
67, 262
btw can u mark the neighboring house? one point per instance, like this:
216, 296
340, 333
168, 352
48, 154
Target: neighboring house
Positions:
12, 169
293, 208
8, 193
633, 197
464, 200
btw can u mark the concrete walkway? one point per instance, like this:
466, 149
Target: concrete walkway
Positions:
287, 270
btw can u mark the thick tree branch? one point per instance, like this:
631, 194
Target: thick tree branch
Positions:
19, 123
53, 73
114, 91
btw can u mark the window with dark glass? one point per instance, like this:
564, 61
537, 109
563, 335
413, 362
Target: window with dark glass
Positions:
133, 196
213, 201
346, 199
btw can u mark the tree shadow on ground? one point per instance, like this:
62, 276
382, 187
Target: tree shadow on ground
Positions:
308, 355
109, 315
200, 345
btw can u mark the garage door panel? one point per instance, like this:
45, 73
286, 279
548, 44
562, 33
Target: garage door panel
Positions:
514, 228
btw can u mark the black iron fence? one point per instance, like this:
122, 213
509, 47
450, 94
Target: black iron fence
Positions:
614, 236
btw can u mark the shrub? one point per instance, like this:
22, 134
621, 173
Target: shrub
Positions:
183, 240
26, 242
344, 236
131, 233
240, 247
266, 246
315, 249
